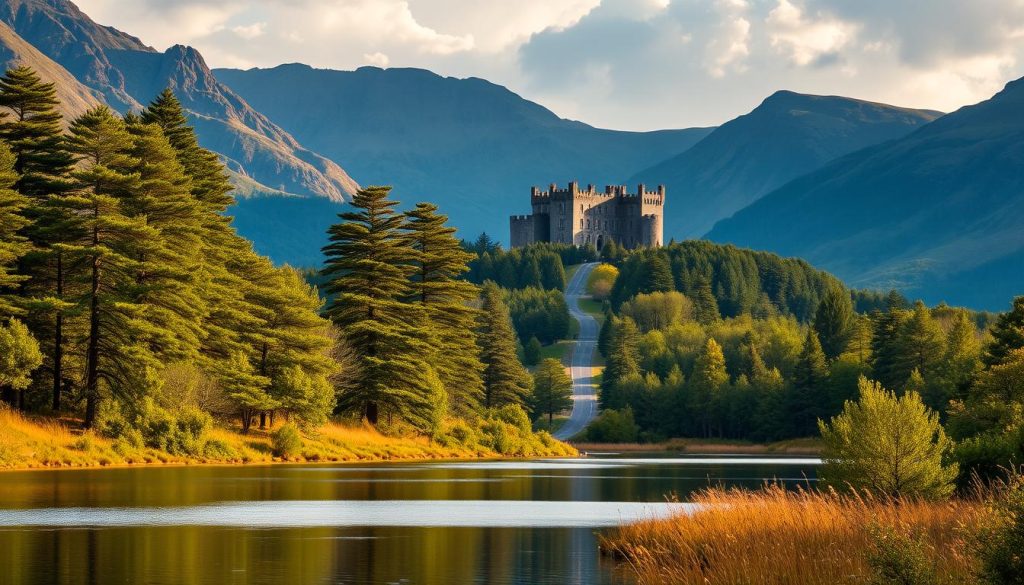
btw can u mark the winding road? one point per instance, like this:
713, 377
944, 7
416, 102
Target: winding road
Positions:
584, 390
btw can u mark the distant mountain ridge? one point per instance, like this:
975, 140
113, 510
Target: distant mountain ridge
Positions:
469, 145
129, 74
787, 135
938, 213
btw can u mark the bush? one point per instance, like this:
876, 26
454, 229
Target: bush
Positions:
219, 450
514, 415
613, 426
898, 558
999, 545
286, 442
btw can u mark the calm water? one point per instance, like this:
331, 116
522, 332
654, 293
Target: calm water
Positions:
447, 523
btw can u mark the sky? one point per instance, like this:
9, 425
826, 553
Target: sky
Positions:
623, 64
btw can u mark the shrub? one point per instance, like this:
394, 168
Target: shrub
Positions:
613, 426
286, 442
514, 415
899, 558
219, 450
999, 544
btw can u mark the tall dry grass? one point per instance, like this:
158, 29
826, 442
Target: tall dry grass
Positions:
774, 536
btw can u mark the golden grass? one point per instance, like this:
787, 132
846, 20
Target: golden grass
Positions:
774, 536
28, 442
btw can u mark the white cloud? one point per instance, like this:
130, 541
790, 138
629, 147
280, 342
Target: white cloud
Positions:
633, 64
250, 31
805, 40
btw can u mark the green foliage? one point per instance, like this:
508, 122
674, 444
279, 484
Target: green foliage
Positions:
286, 441
505, 379
834, 321
531, 352
898, 558
887, 444
602, 279
536, 266
19, 355
538, 313
613, 426
552, 389
658, 310
1007, 334
1000, 542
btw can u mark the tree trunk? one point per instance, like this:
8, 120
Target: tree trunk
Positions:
246, 419
93, 350
7, 395
263, 419
371, 413
58, 337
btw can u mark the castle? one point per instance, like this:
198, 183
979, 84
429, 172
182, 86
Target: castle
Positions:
581, 217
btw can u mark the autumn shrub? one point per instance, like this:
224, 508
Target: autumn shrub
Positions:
286, 441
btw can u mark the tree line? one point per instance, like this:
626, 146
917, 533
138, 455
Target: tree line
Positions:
127, 298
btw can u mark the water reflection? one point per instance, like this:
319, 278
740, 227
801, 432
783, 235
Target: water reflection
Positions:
473, 522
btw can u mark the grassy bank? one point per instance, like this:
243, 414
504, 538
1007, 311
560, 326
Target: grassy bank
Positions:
712, 447
27, 443
795, 538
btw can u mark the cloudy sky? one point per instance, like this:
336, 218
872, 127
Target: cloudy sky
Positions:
628, 64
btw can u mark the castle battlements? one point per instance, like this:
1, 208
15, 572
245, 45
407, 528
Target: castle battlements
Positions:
588, 216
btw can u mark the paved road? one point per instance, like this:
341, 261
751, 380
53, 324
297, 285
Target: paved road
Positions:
584, 391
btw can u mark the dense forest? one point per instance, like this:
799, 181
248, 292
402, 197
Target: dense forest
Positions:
128, 300
713, 341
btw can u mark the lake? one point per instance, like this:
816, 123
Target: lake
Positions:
514, 522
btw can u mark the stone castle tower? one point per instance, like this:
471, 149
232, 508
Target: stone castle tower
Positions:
587, 216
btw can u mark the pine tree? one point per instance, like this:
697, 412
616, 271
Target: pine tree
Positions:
552, 272
921, 345
436, 284
1007, 334
369, 262
622, 361
961, 363
552, 389
505, 379
834, 321
13, 246
532, 351
708, 378
705, 307
34, 133
805, 399
32, 129
885, 346
112, 243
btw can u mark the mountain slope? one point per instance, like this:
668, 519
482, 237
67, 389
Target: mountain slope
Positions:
75, 98
938, 213
129, 74
788, 135
471, 146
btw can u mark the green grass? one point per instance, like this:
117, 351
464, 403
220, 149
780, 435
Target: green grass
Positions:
593, 308
556, 423
558, 350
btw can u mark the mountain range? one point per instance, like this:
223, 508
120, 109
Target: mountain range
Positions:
938, 213
883, 196
787, 136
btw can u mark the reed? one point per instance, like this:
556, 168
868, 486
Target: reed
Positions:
803, 537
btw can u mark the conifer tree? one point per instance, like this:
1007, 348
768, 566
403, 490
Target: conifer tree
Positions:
805, 399
962, 362
921, 345
531, 352
622, 360
505, 379
552, 272
705, 306
13, 246
33, 132
368, 265
436, 284
834, 321
708, 379
1007, 334
552, 389
108, 252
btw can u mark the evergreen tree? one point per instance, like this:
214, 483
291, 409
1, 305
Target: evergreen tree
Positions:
921, 345
115, 356
368, 265
439, 264
552, 389
531, 352
706, 383
13, 246
1007, 334
552, 272
705, 307
622, 360
885, 346
962, 361
834, 321
530, 276
34, 133
505, 379
658, 274
805, 399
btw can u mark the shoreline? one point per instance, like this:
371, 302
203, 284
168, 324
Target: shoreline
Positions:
704, 447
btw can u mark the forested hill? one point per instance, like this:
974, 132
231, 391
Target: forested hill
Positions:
725, 281
471, 146
788, 135
938, 213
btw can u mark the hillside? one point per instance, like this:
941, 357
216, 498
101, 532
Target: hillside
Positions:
471, 146
937, 213
129, 74
75, 98
788, 135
